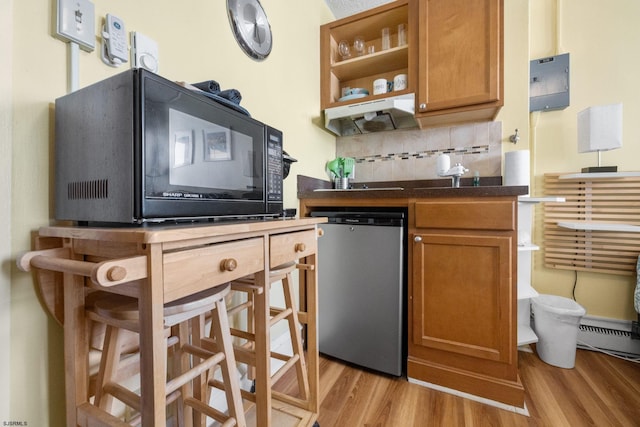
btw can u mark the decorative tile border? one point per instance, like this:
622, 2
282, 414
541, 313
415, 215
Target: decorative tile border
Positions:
476, 149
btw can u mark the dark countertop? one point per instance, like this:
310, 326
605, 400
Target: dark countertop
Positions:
311, 188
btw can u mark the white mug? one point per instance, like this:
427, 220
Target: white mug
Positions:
379, 86
400, 82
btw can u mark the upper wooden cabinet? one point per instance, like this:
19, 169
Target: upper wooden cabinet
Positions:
453, 57
460, 60
359, 71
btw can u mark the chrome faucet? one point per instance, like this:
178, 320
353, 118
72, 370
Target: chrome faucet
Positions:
455, 173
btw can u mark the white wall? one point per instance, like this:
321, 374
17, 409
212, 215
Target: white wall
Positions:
6, 23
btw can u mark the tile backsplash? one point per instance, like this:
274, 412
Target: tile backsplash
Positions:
412, 154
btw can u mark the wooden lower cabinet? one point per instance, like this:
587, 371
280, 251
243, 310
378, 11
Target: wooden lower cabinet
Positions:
462, 297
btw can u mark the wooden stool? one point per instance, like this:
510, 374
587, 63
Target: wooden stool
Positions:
243, 350
184, 318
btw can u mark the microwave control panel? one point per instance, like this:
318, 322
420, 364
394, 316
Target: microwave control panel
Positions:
274, 165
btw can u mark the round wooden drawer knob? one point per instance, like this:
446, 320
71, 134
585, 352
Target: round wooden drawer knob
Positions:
300, 247
228, 264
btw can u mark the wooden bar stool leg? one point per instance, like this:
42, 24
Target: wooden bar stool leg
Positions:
183, 360
200, 389
296, 337
108, 367
239, 311
220, 328
251, 328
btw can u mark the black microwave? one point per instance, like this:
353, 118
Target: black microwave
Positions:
137, 148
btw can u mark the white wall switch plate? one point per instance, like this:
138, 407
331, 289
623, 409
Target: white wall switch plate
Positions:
144, 52
76, 23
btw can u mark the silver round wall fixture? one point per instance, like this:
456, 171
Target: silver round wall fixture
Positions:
250, 27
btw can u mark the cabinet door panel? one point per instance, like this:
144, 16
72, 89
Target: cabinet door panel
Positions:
459, 53
461, 295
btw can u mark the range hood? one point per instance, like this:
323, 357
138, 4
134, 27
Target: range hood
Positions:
396, 112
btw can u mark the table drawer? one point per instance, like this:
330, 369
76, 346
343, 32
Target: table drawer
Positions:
190, 271
289, 247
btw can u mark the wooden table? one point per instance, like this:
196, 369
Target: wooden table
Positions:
159, 264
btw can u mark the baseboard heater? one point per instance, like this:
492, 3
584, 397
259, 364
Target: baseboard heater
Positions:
611, 335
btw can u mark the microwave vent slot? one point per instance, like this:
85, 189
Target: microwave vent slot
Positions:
93, 189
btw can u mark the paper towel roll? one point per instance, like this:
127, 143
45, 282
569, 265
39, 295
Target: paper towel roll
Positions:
516, 168
444, 163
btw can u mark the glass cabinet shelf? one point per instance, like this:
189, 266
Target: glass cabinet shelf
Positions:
373, 63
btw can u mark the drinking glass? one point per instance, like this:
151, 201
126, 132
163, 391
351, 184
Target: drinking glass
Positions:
358, 45
386, 40
344, 49
402, 35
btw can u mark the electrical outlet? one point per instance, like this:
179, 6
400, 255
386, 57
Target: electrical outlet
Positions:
76, 23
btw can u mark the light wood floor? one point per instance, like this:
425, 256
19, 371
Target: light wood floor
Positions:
600, 391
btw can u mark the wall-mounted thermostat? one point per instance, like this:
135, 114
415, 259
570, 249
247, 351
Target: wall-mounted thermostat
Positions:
144, 52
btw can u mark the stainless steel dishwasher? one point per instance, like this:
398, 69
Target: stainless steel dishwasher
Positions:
362, 288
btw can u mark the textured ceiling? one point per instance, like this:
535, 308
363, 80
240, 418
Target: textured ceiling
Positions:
342, 8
